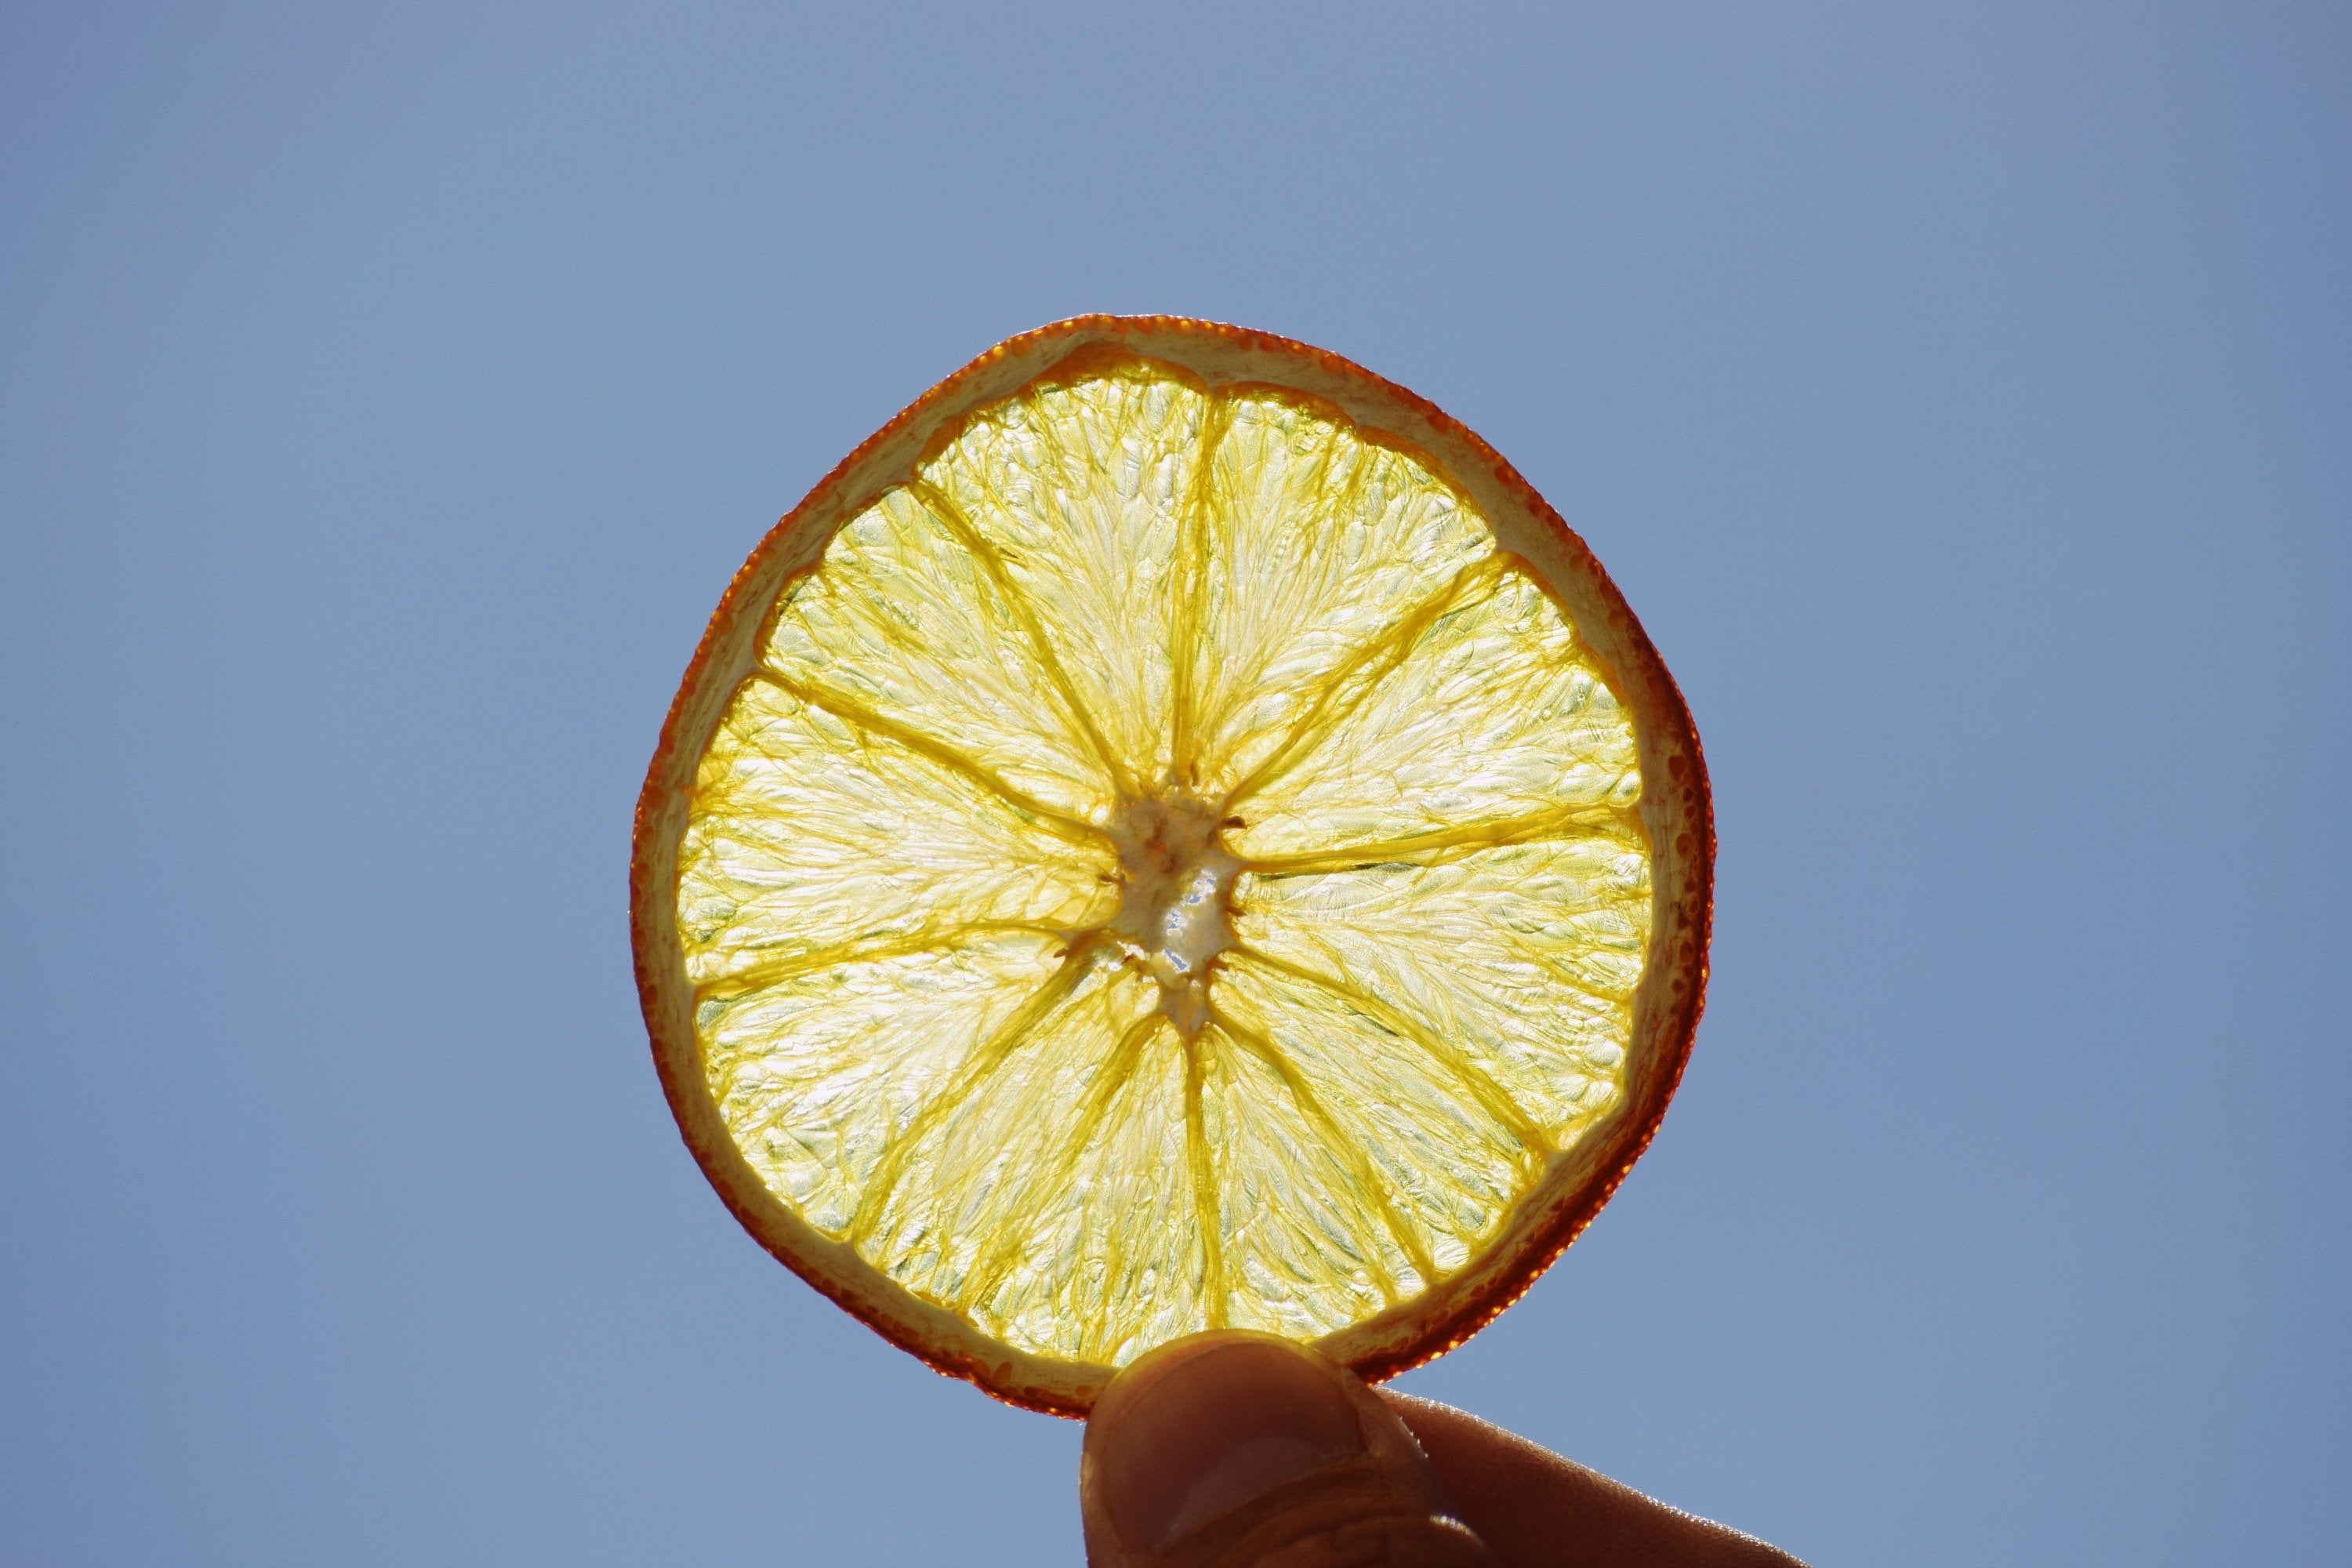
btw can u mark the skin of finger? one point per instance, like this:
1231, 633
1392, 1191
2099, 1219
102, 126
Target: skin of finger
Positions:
1385, 1508
1532, 1507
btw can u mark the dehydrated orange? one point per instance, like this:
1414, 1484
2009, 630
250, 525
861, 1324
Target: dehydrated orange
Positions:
1172, 833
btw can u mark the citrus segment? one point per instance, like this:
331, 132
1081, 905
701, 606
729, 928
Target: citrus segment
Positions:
1478, 720
908, 634
1074, 493
1308, 543
1148, 846
816, 835
1519, 962
816, 1096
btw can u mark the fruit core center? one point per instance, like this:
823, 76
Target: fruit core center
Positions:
1175, 914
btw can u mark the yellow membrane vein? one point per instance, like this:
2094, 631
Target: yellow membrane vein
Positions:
848, 709
991, 1056
1117, 1070
1191, 568
1340, 442
1530, 828
841, 955
1492, 1096
1214, 1297
1376, 660
1350, 1150
952, 517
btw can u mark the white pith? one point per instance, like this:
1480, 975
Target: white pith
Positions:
1175, 912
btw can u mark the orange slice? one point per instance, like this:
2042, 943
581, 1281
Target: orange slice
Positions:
1171, 834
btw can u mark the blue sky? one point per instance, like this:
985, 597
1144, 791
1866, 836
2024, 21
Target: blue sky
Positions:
1959, 394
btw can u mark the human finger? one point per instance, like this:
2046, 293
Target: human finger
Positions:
1531, 1507
1239, 1450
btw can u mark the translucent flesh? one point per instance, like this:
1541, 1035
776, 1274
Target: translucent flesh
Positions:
918, 920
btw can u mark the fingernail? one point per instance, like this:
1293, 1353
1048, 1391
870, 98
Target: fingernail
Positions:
1216, 1428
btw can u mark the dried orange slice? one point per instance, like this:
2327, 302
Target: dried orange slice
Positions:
1171, 834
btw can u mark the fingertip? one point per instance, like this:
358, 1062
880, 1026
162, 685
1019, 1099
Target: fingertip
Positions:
1226, 1448
1191, 1434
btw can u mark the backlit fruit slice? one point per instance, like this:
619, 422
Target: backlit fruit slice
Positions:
1172, 834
